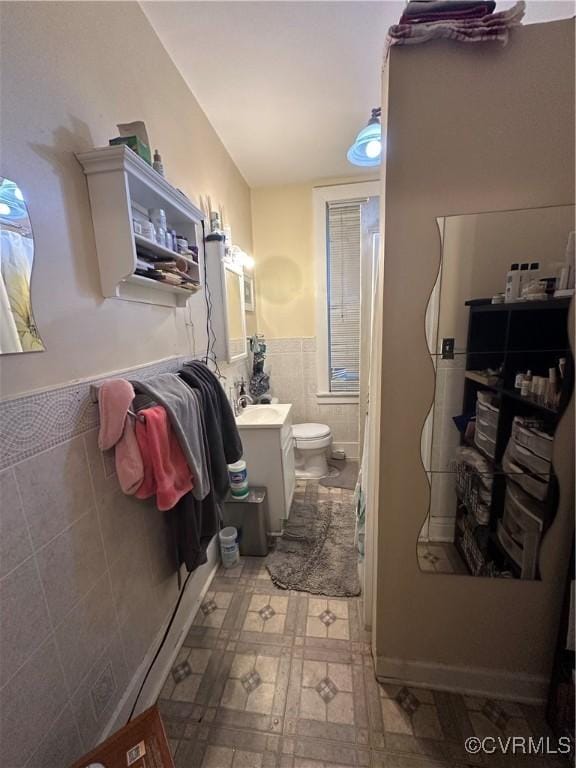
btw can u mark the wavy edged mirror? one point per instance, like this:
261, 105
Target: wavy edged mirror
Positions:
504, 371
18, 331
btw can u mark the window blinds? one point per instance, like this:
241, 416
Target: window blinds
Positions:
343, 281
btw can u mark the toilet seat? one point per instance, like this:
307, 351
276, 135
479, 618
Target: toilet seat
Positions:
311, 436
310, 431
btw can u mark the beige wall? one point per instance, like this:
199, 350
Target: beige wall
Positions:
478, 252
282, 224
470, 129
282, 227
70, 72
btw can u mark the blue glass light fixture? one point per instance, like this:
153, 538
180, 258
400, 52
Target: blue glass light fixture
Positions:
367, 149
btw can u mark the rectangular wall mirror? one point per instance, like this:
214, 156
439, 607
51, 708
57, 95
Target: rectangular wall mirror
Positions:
234, 309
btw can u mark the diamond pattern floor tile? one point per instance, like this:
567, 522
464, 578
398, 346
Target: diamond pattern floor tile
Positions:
275, 679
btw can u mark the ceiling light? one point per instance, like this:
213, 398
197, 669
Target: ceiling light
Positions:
367, 149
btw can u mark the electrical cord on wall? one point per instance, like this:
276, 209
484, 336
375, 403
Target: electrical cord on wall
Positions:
164, 638
210, 335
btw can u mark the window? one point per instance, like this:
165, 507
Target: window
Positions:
343, 241
343, 238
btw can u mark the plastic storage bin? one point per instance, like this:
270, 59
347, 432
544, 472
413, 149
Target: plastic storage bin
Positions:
521, 513
487, 429
524, 555
532, 438
250, 517
530, 461
484, 443
487, 413
535, 486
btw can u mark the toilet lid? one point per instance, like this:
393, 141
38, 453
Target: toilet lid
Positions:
310, 431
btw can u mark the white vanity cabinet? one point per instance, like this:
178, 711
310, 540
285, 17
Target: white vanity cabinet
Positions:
266, 433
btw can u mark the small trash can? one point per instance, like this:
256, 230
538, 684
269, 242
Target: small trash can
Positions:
250, 518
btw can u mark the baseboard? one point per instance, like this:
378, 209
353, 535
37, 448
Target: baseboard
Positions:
471, 681
352, 450
197, 587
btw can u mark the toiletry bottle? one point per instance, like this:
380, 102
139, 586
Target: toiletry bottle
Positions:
157, 164
174, 240
526, 384
524, 277
541, 389
148, 230
518, 380
552, 388
512, 291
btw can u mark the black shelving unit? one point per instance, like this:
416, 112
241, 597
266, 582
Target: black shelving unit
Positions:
510, 338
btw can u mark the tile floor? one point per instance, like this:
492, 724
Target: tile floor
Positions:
275, 679
440, 557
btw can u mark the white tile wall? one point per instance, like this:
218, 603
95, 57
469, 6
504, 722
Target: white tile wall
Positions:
291, 363
448, 397
87, 576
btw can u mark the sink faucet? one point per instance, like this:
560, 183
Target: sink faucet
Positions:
242, 398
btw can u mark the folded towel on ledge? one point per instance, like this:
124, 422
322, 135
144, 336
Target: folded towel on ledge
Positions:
495, 26
419, 11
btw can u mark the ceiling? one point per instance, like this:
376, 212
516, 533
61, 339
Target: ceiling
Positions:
287, 85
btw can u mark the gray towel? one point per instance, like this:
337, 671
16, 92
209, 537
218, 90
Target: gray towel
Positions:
185, 414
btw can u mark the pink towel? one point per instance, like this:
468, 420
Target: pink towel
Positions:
117, 431
166, 471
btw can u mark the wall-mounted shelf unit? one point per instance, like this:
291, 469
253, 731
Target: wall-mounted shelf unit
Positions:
122, 187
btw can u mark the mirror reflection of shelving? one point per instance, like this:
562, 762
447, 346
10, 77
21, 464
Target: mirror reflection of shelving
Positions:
487, 443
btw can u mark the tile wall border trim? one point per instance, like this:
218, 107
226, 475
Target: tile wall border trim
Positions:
35, 421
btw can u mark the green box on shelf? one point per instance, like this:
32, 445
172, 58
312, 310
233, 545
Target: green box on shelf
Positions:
136, 145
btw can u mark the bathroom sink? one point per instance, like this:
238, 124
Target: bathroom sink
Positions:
264, 415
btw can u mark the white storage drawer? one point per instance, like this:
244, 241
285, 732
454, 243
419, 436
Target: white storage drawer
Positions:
521, 513
535, 486
533, 439
531, 461
487, 428
487, 413
485, 443
525, 556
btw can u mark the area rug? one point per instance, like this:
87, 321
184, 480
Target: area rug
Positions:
316, 552
345, 475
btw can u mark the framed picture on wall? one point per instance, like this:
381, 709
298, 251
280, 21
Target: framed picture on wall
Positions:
249, 297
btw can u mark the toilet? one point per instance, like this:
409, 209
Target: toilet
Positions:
311, 444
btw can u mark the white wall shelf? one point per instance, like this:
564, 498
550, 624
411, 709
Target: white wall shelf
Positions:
120, 185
